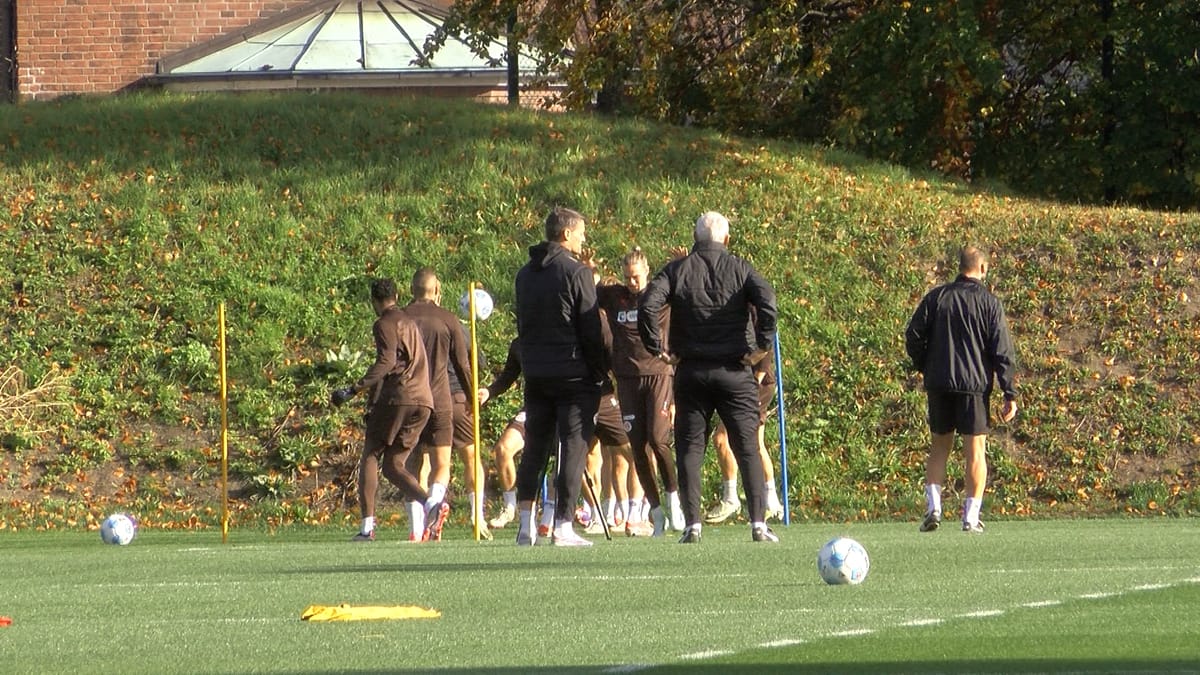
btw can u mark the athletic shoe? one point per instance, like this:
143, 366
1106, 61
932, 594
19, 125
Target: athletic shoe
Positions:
932, 520
569, 538
974, 528
722, 511
525, 538
639, 529
764, 533
364, 537
506, 516
485, 533
595, 527
434, 519
690, 536
414, 537
582, 516
543, 530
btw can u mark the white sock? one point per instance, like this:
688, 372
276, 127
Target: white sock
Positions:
729, 491
368, 525
564, 529
755, 526
437, 493
772, 497
416, 518
673, 501
547, 515
510, 498
971, 510
524, 518
633, 511
933, 498
476, 511
645, 508
610, 509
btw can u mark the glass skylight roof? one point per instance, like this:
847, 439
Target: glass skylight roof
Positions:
373, 36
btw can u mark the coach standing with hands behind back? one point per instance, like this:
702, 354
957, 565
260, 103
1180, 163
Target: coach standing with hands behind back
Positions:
710, 293
563, 358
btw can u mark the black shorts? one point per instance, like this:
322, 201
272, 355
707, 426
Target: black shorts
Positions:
950, 411
610, 428
517, 423
464, 421
766, 399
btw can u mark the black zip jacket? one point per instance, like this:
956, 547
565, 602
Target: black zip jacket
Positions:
710, 293
558, 320
959, 339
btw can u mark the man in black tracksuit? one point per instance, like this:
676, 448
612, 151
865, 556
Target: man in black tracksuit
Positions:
958, 339
563, 358
710, 293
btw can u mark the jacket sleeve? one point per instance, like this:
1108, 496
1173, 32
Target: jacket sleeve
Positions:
587, 322
916, 334
386, 342
761, 296
512, 370
460, 359
650, 309
1001, 354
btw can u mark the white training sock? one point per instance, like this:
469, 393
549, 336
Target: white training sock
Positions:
524, 519
729, 491
633, 511
437, 493
547, 515
510, 498
368, 525
971, 510
416, 518
610, 509
933, 498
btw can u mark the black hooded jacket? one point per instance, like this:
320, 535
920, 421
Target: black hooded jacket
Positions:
710, 293
558, 320
959, 339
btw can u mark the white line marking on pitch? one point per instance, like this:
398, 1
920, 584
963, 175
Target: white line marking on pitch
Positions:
1151, 587
922, 622
1042, 603
780, 643
1097, 596
628, 668
853, 632
710, 654
981, 614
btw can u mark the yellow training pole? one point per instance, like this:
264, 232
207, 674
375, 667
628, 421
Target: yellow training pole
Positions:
224, 429
474, 394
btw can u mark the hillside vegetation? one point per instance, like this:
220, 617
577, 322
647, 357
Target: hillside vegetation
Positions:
124, 222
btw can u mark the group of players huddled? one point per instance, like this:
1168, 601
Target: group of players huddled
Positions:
602, 362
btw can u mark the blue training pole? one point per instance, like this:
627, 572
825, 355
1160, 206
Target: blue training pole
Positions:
783, 465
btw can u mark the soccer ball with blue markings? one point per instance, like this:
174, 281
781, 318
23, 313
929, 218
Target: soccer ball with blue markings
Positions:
118, 529
843, 561
483, 305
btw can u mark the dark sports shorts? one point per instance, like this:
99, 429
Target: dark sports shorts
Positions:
439, 430
394, 427
464, 422
517, 423
766, 399
950, 411
610, 428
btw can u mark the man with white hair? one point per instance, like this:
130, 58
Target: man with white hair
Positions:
714, 343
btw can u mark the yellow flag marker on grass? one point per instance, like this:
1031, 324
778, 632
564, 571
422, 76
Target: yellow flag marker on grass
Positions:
344, 612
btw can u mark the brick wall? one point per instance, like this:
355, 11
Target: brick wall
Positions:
101, 46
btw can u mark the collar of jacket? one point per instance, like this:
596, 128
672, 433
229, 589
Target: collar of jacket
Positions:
962, 277
547, 252
702, 246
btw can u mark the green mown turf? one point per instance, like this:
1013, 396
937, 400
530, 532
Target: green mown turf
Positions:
1043, 596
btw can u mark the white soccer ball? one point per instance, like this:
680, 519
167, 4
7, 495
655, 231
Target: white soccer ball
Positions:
843, 561
118, 529
483, 305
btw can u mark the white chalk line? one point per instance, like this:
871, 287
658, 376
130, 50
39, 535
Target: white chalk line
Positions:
911, 623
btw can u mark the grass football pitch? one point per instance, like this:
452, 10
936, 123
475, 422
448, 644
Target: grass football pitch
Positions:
1068, 596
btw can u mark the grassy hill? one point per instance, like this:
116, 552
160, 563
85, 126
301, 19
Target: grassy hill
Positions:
125, 221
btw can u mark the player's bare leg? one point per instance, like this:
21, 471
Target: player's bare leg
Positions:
975, 454
935, 476
730, 504
774, 505
504, 452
